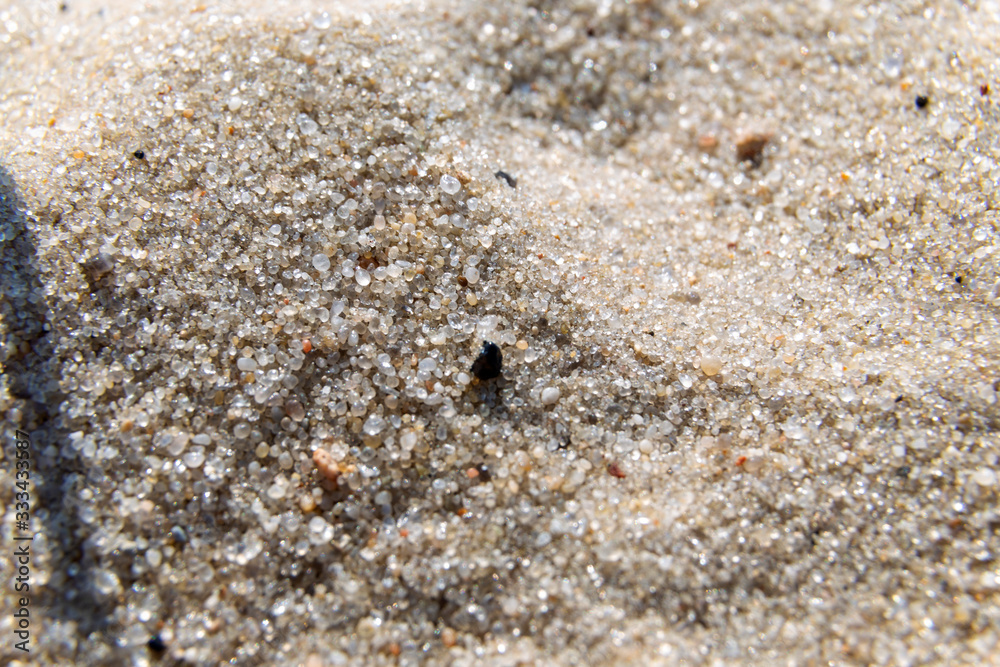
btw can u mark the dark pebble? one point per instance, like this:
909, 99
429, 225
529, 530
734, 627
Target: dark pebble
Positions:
179, 535
484, 473
139, 155
156, 644
922, 101
511, 181
489, 362
750, 148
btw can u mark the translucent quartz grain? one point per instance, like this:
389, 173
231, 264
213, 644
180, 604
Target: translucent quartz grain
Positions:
322, 21
307, 125
984, 477
408, 440
178, 444
194, 457
450, 184
154, 557
321, 263
550, 395
373, 425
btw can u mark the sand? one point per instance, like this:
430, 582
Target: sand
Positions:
740, 263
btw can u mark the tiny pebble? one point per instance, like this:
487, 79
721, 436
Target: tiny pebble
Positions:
295, 410
489, 363
307, 502
708, 142
326, 464
510, 180
750, 147
711, 365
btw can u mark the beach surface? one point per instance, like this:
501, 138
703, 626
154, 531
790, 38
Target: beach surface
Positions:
530, 333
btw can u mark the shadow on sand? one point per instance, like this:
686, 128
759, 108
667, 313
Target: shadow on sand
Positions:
30, 397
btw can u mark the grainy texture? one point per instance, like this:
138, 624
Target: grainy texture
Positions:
748, 409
